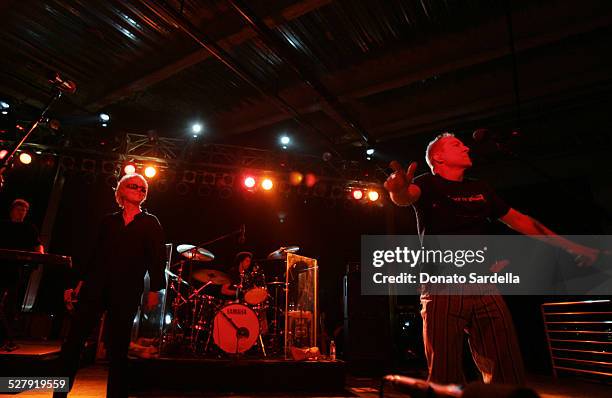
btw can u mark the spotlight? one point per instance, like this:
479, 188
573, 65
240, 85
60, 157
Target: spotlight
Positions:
25, 158
357, 194
150, 171
370, 151
5, 112
88, 165
4, 105
310, 180
267, 184
196, 129
295, 178
285, 141
104, 124
373, 196
249, 182
129, 169
3, 154
109, 167
104, 117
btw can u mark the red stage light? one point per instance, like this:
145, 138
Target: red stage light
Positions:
129, 169
373, 196
249, 182
310, 180
357, 194
3, 153
267, 184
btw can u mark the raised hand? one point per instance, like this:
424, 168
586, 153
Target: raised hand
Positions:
70, 298
400, 180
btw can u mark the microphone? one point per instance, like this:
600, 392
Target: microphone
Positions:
242, 236
67, 86
481, 134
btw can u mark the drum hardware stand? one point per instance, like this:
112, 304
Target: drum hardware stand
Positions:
263, 348
196, 326
178, 301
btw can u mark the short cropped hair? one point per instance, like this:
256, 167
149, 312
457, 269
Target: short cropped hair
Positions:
20, 202
122, 181
433, 146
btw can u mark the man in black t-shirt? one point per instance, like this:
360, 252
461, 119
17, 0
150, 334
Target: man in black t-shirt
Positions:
447, 203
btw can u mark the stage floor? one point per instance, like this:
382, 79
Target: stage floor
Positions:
91, 383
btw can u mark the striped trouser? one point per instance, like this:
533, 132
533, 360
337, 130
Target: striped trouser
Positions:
491, 336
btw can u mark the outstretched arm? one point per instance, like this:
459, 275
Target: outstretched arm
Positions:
529, 226
399, 184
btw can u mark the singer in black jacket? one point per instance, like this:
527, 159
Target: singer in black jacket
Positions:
129, 244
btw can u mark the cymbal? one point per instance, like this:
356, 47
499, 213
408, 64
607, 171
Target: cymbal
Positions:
211, 275
192, 253
281, 253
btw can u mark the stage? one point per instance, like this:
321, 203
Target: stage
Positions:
91, 383
194, 375
236, 375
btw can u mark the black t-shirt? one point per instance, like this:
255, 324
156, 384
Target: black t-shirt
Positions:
19, 236
456, 207
124, 253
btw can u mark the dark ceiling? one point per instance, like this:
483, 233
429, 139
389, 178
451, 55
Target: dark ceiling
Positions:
331, 73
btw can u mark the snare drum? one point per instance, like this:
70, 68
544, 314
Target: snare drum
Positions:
236, 328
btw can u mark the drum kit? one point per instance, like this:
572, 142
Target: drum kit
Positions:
202, 321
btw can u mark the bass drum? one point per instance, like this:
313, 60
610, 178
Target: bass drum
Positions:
236, 328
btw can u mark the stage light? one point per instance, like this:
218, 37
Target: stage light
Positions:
3, 154
104, 117
150, 171
249, 182
357, 194
4, 105
129, 169
295, 178
25, 158
373, 196
310, 180
285, 141
196, 129
4, 112
104, 125
370, 151
267, 184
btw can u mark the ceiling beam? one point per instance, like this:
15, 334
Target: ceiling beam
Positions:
285, 15
537, 26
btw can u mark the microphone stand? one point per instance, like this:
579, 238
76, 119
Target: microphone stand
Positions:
9, 159
195, 248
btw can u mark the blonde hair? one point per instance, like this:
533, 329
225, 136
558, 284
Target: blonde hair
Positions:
433, 146
127, 177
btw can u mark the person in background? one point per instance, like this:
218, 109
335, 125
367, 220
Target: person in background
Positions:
15, 234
